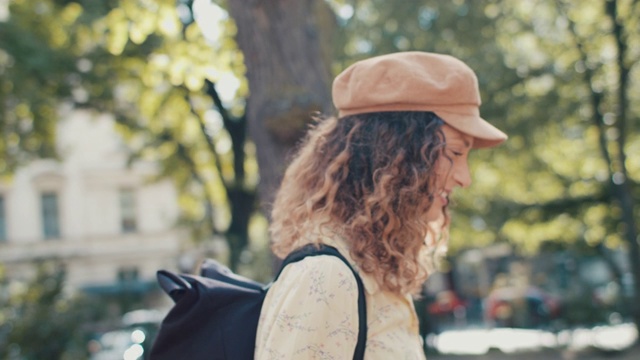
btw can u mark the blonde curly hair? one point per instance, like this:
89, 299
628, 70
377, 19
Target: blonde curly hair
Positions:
371, 177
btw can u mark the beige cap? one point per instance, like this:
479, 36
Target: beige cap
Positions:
416, 81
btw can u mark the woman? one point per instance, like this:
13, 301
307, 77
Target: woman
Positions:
374, 183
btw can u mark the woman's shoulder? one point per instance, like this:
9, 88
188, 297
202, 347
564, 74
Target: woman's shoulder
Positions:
324, 271
325, 264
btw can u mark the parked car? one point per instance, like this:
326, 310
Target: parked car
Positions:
529, 307
130, 342
119, 344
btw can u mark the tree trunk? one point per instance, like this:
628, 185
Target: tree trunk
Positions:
288, 74
241, 198
618, 180
621, 188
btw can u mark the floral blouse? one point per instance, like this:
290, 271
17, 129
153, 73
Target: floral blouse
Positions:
311, 312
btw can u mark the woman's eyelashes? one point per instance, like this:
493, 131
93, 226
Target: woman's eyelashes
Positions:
455, 152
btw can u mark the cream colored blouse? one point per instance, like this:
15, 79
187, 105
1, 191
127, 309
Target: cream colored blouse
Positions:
311, 312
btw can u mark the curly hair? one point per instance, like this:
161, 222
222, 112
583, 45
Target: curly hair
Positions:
371, 178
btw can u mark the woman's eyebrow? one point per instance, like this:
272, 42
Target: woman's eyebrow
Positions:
464, 141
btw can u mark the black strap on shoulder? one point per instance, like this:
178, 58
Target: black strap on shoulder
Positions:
315, 250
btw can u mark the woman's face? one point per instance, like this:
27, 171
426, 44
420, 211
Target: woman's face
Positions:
452, 170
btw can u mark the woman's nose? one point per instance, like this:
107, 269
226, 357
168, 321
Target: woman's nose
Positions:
462, 176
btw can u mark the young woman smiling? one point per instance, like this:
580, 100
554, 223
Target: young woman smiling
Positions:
374, 182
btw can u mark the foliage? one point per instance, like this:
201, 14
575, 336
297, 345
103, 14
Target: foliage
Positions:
33, 69
175, 96
39, 320
559, 77
550, 181
550, 73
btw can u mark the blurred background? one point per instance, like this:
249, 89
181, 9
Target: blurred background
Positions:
146, 134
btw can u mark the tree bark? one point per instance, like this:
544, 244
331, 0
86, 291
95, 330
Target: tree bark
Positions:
288, 74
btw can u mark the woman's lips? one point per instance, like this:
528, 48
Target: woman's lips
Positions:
444, 198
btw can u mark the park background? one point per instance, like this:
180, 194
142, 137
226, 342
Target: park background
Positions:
142, 134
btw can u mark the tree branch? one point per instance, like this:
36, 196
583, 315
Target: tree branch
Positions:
236, 128
623, 81
210, 89
183, 153
210, 144
567, 204
596, 97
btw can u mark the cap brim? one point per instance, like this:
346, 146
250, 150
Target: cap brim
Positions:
485, 135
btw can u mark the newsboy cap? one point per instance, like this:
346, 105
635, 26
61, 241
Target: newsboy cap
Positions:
416, 81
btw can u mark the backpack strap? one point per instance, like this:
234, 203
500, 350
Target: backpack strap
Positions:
321, 249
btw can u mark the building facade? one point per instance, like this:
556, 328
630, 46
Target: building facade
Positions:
107, 223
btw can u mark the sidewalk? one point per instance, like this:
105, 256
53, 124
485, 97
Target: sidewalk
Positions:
587, 354
618, 342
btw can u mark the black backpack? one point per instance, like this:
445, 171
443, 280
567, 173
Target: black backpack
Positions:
215, 315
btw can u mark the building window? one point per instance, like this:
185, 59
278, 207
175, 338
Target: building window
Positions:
128, 221
128, 274
3, 221
50, 216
